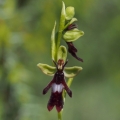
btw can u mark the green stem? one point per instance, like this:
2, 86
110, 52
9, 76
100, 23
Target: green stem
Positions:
69, 82
60, 115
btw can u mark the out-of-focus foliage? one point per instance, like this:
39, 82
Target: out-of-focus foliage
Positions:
25, 30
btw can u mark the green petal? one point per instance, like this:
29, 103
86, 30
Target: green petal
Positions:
70, 72
47, 69
70, 12
72, 35
62, 53
53, 43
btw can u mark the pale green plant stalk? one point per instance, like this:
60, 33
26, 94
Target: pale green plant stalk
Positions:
60, 115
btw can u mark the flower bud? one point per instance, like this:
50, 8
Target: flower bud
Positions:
69, 13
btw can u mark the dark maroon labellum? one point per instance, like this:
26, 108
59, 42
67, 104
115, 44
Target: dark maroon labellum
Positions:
72, 50
57, 85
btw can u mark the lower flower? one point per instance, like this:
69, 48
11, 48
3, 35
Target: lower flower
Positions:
57, 85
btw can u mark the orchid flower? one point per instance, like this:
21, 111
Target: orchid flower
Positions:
57, 85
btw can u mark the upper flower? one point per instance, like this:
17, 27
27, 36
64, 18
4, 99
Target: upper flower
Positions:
70, 32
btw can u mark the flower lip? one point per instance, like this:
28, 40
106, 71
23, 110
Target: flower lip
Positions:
72, 50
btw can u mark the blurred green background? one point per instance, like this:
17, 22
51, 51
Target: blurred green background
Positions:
25, 30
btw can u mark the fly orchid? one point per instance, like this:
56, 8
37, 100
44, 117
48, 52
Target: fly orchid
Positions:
69, 32
57, 85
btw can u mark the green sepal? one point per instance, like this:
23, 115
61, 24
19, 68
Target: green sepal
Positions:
70, 22
72, 35
70, 72
70, 12
53, 43
62, 53
47, 69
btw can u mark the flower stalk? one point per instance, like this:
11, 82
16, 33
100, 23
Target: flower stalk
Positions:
60, 115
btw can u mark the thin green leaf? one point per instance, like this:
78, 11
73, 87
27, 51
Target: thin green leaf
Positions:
71, 72
62, 18
47, 69
53, 43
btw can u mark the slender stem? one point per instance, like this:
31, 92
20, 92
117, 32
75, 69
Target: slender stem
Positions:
69, 82
60, 115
